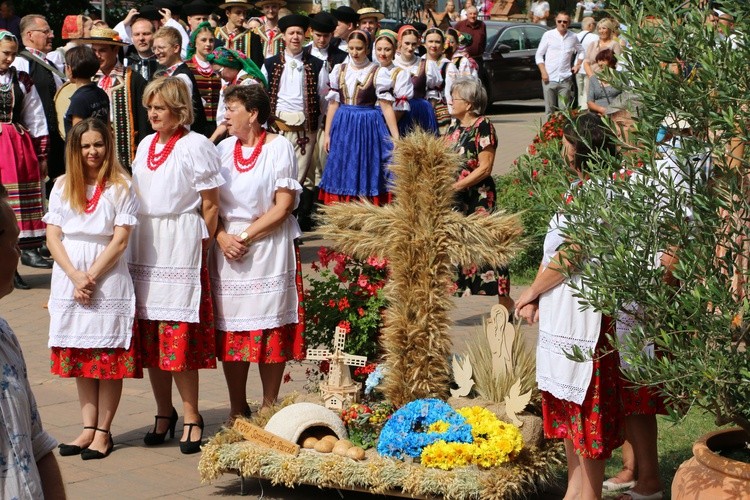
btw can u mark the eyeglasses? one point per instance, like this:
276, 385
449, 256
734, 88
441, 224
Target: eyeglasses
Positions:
46, 31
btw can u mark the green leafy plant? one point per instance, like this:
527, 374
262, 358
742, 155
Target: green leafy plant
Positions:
663, 232
346, 292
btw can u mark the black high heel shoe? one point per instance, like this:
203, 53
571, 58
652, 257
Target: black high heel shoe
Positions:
154, 438
68, 450
89, 454
189, 447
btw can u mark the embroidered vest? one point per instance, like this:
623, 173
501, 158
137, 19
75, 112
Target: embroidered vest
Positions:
312, 66
200, 122
209, 88
419, 81
11, 99
247, 42
364, 92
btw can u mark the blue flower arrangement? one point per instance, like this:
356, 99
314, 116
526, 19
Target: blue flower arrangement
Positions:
374, 379
405, 433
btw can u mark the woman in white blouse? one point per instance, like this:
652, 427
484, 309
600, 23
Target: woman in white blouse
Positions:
358, 134
92, 209
176, 173
423, 77
439, 93
256, 273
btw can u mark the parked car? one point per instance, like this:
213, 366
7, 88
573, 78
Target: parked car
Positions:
510, 71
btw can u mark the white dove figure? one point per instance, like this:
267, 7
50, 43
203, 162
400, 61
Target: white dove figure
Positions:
515, 403
462, 373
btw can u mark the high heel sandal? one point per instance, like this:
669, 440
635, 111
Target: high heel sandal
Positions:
154, 438
68, 450
89, 454
189, 447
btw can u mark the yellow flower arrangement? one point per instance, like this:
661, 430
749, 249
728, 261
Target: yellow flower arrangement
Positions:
495, 443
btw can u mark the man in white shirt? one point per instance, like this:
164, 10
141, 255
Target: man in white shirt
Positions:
587, 37
557, 51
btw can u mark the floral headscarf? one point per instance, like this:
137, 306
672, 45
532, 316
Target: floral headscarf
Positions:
236, 60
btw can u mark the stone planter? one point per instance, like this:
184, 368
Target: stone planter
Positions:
709, 476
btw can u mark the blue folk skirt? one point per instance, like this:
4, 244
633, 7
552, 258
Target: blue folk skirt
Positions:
420, 114
361, 149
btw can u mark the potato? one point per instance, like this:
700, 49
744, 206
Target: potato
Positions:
309, 442
356, 453
323, 446
330, 438
346, 442
341, 448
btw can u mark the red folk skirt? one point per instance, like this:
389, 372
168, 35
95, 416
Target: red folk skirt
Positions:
102, 364
596, 426
19, 173
179, 346
273, 345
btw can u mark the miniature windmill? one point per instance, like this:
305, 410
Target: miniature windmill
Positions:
339, 388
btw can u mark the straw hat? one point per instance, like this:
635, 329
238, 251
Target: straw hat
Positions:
106, 36
235, 3
263, 3
370, 12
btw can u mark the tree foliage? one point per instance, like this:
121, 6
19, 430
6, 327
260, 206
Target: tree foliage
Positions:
637, 210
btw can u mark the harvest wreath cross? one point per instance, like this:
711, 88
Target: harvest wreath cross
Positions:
423, 238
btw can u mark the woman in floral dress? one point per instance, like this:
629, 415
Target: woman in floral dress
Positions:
92, 209
473, 137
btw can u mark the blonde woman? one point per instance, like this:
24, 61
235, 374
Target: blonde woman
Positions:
176, 172
92, 210
606, 29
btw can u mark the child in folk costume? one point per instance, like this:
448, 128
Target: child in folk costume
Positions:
92, 210
358, 137
209, 84
423, 77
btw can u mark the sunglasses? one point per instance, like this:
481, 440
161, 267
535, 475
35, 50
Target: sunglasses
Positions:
563, 22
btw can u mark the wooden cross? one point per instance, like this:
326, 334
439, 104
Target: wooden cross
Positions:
423, 238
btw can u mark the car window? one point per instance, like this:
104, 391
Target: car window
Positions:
513, 38
534, 36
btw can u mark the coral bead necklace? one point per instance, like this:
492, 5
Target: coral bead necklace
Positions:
249, 163
155, 160
94, 201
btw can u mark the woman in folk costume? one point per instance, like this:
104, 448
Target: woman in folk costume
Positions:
176, 173
167, 46
358, 135
456, 44
209, 84
234, 68
437, 63
256, 275
581, 400
23, 136
92, 210
423, 77
385, 46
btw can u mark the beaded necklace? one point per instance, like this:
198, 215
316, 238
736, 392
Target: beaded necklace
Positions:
200, 69
155, 160
249, 163
94, 201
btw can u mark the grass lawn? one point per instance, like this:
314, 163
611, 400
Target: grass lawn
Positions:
675, 445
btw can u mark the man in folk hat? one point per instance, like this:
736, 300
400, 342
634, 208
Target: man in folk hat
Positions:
196, 12
235, 36
346, 22
369, 20
297, 84
269, 32
125, 87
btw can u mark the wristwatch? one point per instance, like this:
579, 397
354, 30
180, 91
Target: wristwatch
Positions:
245, 237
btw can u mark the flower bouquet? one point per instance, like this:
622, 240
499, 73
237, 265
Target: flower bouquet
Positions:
364, 423
348, 293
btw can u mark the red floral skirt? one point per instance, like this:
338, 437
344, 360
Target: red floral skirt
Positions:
273, 345
596, 426
178, 346
103, 364
330, 198
639, 400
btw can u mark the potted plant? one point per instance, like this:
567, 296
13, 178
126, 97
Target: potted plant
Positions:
663, 230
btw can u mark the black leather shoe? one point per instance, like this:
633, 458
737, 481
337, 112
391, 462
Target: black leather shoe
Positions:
89, 454
153, 438
44, 251
32, 258
19, 283
189, 447
69, 450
